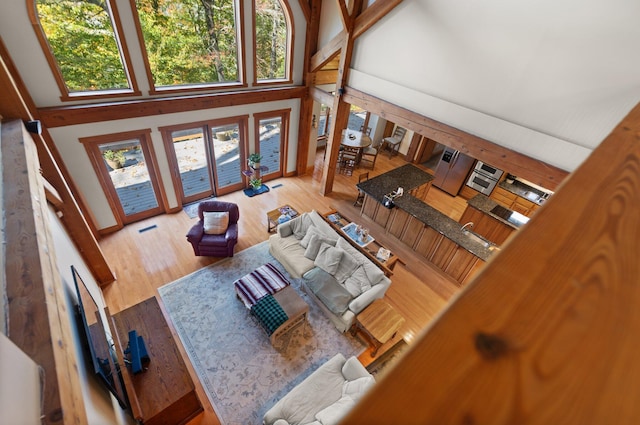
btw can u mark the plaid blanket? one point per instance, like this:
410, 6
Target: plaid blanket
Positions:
269, 313
265, 280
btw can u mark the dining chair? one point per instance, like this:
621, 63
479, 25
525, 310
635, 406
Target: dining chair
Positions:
361, 178
370, 153
347, 159
365, 130
392, 143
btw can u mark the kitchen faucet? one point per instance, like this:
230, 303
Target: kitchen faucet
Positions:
469, 224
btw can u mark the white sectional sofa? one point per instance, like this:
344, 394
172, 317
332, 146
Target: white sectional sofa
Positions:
325, 396
341, 279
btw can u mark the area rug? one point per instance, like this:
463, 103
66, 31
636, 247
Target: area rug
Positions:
192, 209
241, 372
250, 192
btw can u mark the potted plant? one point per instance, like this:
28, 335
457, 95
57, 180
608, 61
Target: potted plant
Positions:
255, 183
115, 159
254, 160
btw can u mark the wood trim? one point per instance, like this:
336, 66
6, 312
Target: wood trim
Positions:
519, 333
321, 96
84, 114
37, 310
372, 14
531, 169
327, 52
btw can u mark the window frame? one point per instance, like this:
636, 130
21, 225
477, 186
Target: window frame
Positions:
197, 87
65, 94
288, 78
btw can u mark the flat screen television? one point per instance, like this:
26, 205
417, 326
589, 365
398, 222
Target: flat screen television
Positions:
100, 344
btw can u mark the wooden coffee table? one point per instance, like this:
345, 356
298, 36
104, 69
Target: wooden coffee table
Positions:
380, 322
273, 216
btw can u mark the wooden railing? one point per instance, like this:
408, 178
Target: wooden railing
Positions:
546, 333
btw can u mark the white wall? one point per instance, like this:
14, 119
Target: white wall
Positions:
20, 39
77, 161
549, 78
100, 406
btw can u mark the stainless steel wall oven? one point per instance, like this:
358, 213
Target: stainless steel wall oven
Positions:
484, 177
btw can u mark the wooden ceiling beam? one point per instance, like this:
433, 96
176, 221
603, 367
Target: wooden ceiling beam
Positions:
516, 163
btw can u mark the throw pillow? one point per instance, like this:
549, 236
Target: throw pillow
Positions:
215, 223
300, 224
356, 388
358, 282
328, 258
304, 242
314, 246
332, 414
346, 267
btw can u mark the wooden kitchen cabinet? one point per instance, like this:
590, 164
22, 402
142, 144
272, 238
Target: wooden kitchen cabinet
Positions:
513, 201
486, 226
412, 232
428, 242
461, 263
397, 222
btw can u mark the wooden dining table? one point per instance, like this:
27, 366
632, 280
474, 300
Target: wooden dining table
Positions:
357, 140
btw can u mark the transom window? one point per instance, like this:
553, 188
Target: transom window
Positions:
271, 40
85, 46
190, 41
186, 44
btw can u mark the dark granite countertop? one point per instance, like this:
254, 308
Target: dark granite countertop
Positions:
485, 204
409, 177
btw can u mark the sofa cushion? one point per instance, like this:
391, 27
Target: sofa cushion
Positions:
356, 388
332, 294
345, 268
314, 246
311, 231
331, 415
300, 225
328, 258
215, 222
358, 282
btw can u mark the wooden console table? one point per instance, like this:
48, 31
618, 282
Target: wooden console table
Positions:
164, 393
370, 250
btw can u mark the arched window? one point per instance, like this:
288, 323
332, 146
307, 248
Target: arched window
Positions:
83, 46
190, 42
272, 41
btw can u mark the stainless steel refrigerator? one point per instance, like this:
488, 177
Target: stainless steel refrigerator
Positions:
452, 171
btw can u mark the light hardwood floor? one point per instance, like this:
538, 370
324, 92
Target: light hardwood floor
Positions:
145, 261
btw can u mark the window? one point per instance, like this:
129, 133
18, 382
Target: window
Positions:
85, 51
190, 42
272, 39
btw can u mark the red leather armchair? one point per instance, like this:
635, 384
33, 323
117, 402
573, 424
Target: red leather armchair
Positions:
215, 245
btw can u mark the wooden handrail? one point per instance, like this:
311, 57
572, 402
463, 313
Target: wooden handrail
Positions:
546, 332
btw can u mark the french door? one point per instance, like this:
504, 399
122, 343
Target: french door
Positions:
125, 165
206, 158
271, 129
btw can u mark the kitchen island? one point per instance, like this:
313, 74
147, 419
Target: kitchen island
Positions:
430, 233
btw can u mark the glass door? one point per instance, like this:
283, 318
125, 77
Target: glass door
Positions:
271, 132
228, 157
191, 157
128, 177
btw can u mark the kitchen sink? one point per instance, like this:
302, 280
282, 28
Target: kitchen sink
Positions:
477, 238
532, 196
